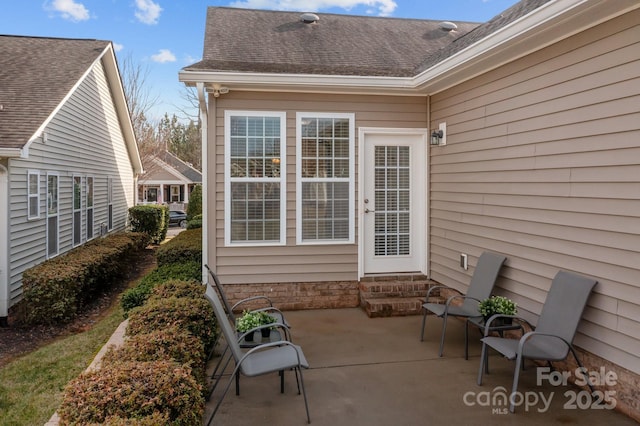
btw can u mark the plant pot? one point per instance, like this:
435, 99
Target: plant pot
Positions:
249, 336
266, 333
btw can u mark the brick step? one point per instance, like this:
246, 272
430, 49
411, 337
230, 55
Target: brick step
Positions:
392, 306
389, 289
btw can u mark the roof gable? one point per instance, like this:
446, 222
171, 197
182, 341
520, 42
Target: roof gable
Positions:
37, 74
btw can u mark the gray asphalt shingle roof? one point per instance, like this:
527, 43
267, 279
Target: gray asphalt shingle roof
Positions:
35, 75
261, 41
279, 42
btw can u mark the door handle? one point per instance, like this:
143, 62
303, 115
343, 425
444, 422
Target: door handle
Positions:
369, 211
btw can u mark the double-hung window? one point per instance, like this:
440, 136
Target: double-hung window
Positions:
255, 174
325, 178
33, 183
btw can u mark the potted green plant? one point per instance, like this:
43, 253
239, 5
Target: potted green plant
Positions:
247, 322
497, 305
252, 319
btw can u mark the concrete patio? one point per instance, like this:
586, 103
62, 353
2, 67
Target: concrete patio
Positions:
375, 371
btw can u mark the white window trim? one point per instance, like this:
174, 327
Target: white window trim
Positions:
74, 210
352, 185
30, 195
88, 207
227, 177
57, 214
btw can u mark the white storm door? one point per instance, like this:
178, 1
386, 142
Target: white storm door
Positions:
392, 203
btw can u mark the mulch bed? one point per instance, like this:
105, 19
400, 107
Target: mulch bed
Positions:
18, 339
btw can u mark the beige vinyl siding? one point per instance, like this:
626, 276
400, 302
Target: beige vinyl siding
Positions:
292, 263
542, 163
84, 139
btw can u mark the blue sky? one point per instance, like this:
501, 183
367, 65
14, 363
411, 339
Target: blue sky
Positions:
163, 36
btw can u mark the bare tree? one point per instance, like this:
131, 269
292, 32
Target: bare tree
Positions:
140, 100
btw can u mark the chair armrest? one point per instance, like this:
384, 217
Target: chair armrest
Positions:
527, 336
460, 296
437, 287
250, 299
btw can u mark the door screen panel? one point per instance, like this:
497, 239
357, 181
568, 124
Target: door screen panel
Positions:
392, 187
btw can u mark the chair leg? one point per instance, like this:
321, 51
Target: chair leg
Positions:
281, 374
215, 383
514, 389
304, 393
224, 393
575, 356
424, 320
483, 360
466, 340
444, 330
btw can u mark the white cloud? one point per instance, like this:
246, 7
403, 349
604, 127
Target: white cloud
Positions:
70, 10
163, 56
117, 47
147, 11
381, 7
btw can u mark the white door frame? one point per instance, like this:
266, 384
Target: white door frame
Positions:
4, 242
363, 132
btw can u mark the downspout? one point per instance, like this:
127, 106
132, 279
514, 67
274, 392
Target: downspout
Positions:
204, 121
428, 227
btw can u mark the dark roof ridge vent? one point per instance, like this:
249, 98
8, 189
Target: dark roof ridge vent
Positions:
448, 26
309, 18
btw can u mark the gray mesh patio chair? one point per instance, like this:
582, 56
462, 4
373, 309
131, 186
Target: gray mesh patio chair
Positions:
556, 328
480, 288
280, 331
259, 360
230, 309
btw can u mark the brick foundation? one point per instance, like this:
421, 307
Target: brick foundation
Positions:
298, 296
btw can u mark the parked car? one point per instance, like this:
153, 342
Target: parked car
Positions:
177, 218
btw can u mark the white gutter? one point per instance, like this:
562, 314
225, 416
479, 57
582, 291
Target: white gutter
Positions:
204, 121
550, 23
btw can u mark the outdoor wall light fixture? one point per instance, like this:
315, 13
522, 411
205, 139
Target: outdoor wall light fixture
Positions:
436, 137
439, 137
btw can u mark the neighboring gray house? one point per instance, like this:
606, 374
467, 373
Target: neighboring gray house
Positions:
68, 155
319, 173
168, 180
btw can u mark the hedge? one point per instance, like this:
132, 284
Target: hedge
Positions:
184, 247
56, 289
170, 343
178, 288
194, 315
136, 296
164, 389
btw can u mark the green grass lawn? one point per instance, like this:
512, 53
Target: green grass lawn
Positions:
32, 386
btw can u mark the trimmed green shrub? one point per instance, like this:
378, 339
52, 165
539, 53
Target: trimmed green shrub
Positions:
195, 202
55, 290
195, 223
178, 288
134, 390
151, 219
194, 315
137, 295
186, 246
170, 343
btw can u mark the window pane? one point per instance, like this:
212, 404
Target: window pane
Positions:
89, 192
255, 211
77, 194
52, 195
